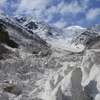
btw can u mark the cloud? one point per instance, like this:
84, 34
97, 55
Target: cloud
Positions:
39, 7
3, 3
49, 17
14, 4
72, 8
52, 9
61, 23
92, 14
85, 4
34, 8
63, 9
26, 6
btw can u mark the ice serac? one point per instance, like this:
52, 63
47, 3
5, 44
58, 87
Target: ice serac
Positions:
66, 88
71, 84
91, 69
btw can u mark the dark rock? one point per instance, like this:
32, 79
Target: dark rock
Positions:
13, 89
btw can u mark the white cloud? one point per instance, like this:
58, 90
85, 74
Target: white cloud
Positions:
80, 22
61, 23
92, 14
35, 8
52, 10
3, 3
63, 9
14, 5
85, 4
49, 18
72, 8
30, 5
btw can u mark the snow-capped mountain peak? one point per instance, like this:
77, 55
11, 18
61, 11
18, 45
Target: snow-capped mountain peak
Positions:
72, 31
75, 28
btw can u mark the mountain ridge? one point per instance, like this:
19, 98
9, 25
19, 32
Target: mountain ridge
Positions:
54, 36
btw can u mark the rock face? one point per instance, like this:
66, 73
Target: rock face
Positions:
5, 38
13, 89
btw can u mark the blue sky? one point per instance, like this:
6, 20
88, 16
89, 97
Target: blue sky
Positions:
62, 13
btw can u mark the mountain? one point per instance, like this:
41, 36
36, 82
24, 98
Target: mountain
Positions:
40, 30
49, 33
44, 30
86, 37
40, 26
31, 68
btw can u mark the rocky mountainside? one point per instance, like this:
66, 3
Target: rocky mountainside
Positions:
16, 36
31, 69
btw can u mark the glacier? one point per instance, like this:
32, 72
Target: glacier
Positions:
38, 63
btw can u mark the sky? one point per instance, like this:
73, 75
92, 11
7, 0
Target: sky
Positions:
61, 13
